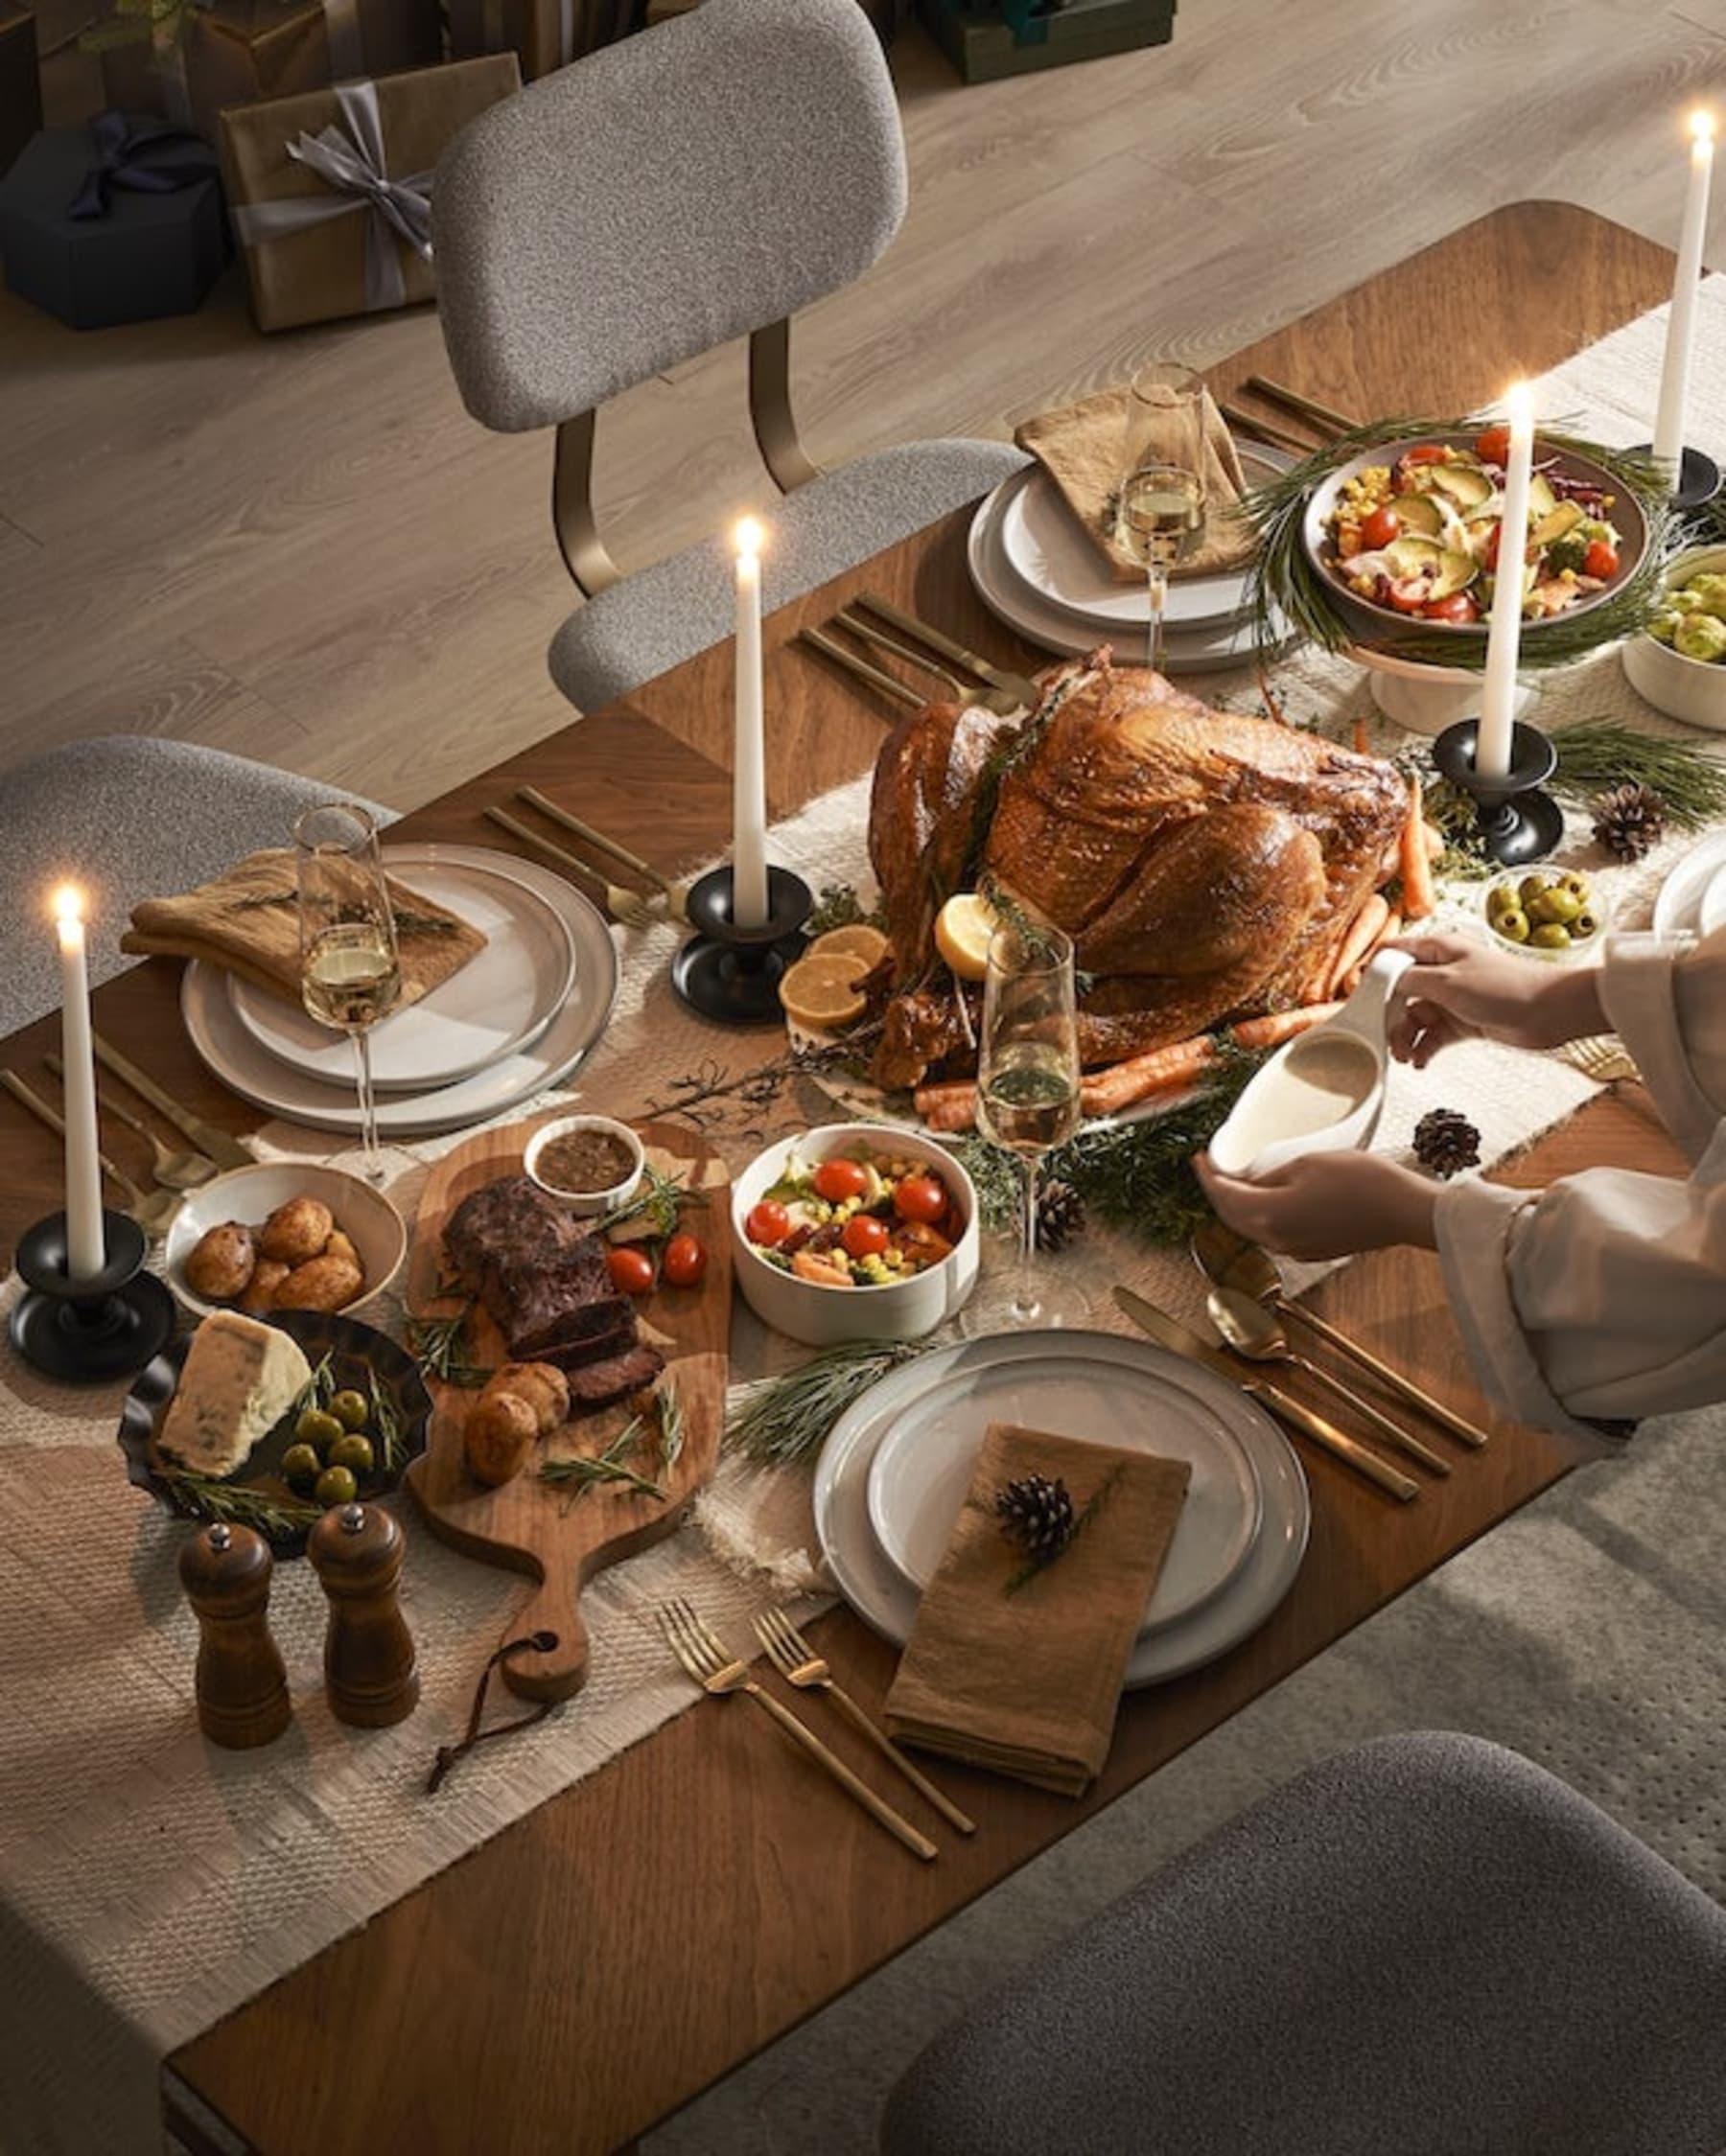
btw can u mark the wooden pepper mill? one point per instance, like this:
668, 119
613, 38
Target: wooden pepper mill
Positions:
241, 1684
370, 1664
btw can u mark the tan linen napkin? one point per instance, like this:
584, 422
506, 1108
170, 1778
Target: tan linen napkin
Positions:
1020, 1670
247, 922
1081, 447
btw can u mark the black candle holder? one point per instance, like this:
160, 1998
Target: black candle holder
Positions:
1515, 820
1698, 476
731, 974
87, 1331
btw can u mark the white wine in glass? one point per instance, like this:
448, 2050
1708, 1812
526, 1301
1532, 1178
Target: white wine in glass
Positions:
350, 971
1159, 513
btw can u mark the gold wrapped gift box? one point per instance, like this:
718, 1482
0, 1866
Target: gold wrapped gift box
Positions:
544, 35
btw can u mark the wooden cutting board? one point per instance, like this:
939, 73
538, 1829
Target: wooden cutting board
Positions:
541, 1528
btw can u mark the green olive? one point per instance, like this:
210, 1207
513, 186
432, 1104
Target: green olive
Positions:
301, 1466
317, 1426
352, 1451
350, 1409
335, 1485
1514, 926
1562, 904
1501, 898
1550, 936
1531, 889
1583, 926
1574, 880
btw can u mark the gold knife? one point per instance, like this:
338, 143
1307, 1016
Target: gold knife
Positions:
920, 632
1171, 1334
222, 1146
887, 683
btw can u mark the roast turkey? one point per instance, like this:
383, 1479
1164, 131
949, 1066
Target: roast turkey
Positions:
1207, 866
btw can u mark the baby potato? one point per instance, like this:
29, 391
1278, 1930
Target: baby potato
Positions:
321, 1283
340, 1245
267, 1276
500, 1434
220, 1263
297, 1232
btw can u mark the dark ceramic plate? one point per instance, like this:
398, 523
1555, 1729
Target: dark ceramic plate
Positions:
360, 1356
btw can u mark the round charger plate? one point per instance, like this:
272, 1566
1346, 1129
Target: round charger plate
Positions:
885, 1599
1712, 913
241, 1062
1678, 909
922, 1466
504, 998
359, 1355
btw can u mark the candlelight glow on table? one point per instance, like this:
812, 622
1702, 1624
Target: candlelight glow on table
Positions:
1681, 327
85, 1250
749, 790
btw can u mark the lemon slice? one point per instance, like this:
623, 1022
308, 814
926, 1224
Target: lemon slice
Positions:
822, 991
858, 940
963, 931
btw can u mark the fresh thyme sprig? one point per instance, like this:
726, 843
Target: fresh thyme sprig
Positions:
204, 1498
786, 1419
693, 1095
840, 907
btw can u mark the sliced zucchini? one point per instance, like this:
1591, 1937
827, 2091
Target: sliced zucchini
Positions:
1464, 483
1563, 517
1541, 500
1413, 555
1456, 571
1417, 513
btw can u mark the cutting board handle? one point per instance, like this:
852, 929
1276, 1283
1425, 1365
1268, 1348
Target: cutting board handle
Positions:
553, 1607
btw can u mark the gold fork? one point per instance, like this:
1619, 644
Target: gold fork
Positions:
798, 1664
717, 1670
624, 905
1600, 1056
676, 895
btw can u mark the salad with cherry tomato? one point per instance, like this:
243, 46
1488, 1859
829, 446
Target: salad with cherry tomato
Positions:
1420, 534
856, 1219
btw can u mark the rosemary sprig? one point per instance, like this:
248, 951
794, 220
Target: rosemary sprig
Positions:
204, 1498
582, 1472
659, 1200
1093, 1505
439, 1346
387, 1421
787, 1418
671, 1426
409, 922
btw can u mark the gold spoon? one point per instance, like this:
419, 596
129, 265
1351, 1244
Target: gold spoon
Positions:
174, 1171
1254, 1332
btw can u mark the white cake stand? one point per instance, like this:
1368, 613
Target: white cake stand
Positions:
1425, 699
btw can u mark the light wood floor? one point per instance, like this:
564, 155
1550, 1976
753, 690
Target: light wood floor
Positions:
301, 548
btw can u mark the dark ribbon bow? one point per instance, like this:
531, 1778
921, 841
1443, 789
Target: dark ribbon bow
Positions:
147, 156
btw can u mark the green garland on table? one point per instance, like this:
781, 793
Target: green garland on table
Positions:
1284, 576
1596, 754
786, 1419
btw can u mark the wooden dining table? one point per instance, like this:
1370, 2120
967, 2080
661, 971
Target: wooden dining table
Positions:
597, 1964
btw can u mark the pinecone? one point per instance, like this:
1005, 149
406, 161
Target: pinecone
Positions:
1037, 1515
1059, 1215
1629, 820
1446, 1142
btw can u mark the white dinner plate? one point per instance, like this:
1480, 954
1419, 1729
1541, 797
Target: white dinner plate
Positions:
504, 998
883, 1597
923, 1462
1678, 909
1042, 542
242, 1063
1712, 913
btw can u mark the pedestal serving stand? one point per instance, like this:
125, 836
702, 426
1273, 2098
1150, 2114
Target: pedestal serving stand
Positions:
1426, 699
730, 974
1516, 822
87, 1331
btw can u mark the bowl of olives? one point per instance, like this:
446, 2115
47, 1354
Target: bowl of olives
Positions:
1680, 665
1550, 914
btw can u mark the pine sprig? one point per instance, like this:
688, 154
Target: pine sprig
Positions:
1034, 1566
1138, 1176
789, 1418
1596, 754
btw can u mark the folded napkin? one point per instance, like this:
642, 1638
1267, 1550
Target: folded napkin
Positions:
1019, 1668
247, 922
1082, 445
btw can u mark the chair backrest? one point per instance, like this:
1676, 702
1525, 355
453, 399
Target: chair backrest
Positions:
669, 193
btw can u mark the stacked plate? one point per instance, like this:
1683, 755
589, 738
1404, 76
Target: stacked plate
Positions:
517, 1017
894, 1473
1035, 567
1693, 899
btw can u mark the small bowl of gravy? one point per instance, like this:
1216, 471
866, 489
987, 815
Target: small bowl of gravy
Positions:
592, 1163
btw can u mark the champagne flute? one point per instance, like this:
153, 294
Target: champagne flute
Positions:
350, 971
1028, 1085
1159, 512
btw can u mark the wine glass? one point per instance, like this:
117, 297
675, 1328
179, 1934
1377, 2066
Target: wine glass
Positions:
350, 970
1159, 512
1028, 1085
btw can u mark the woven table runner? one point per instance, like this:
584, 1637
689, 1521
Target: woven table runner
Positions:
150, 1884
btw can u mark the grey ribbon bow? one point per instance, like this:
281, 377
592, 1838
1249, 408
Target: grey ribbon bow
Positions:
352, 164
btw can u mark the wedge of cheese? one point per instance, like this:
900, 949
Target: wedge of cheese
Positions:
240, 1379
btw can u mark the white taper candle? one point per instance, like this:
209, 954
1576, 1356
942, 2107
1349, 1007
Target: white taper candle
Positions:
1681, 325
86, 1250
749, 785
1504, 639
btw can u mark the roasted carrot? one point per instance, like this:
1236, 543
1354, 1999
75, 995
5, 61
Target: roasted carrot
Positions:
1374, 912
1393, 928
1165, 1070
1360, 735
1418, 898
1279, 1026
947, 1107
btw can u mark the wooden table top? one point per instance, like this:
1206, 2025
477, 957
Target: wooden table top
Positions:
608, 1957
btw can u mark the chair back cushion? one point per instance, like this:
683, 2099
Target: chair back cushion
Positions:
665, 195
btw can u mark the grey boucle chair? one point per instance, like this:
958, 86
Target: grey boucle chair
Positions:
1424, 1947
699, 182
126, 817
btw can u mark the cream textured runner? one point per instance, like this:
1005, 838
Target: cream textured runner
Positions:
151, 1884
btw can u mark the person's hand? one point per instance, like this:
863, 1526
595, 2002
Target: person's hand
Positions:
1458, 990
1324, 1205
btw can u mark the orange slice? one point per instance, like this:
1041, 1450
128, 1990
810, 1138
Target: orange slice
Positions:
821, 991
963, 930
858, 940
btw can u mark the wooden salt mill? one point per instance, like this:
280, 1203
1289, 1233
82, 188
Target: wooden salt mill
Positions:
370, 1664
241, 1684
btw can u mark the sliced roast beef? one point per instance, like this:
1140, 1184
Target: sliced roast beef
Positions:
598, 1383
586, 1335
509, 1222
540, 1274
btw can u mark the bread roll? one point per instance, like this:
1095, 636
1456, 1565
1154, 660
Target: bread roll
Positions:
543, 1385
498, 1435
297, 1232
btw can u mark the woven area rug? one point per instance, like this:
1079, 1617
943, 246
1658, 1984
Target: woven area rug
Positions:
149, 1885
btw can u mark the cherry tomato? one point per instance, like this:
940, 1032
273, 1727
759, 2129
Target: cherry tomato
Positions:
865, 1235
920, 1197
1410, 598
768, 1224
1489, 553
836, 1180
1427, 452
1460, 606
1380, 529
631, 1269
1600, 560
685, 1261
1493, 447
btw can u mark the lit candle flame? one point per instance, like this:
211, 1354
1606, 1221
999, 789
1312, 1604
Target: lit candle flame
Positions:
749, 536
1702, 125
68, 903
1519, 403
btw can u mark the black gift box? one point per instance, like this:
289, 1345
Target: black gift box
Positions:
150, 254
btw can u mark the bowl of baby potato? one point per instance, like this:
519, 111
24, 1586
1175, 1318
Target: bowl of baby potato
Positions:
282, 1236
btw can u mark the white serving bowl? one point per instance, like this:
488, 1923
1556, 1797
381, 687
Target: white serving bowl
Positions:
1690, 689
585, 1201
375, 1228
823, 1317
